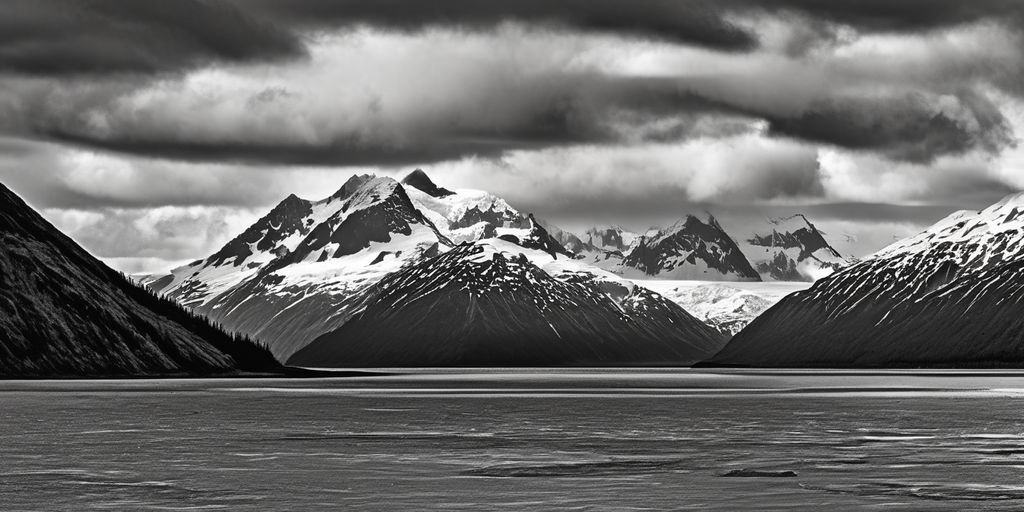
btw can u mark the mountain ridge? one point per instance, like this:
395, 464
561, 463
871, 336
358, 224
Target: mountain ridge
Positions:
945, 295
64, 313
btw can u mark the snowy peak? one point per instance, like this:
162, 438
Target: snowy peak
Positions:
352, 185
376, 211
689, 249
419, 180
535, 237
268, 234
569, 241
791, 249
609, 238
972, 239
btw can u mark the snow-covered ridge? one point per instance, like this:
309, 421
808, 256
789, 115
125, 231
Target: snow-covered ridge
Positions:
791, 249
689, 249
957, 247
995, 233
948, 296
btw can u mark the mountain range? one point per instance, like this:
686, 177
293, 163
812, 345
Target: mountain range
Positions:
950, 295
311, 268
388, 273
480, 304
64, 313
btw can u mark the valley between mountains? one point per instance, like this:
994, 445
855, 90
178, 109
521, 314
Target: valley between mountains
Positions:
387, 273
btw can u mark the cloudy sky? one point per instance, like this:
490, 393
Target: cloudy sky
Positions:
154, 131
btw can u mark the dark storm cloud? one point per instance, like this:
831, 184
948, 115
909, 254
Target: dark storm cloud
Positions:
61, 37
896, 15
68, 37
696, 22
550, 108
341, 152
907, 128
554, 110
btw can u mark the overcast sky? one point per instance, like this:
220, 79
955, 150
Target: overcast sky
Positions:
154, 131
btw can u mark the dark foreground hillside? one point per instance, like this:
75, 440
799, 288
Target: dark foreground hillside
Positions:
65, 313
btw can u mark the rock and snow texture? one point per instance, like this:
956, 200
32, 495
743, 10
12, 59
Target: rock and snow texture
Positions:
600, 256
610, 238
950, 295
287, 278
482, 304
64, 313
791, 249
293, 274
420, 181
689, 249
728, 307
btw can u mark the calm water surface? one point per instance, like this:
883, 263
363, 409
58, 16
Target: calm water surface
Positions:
512, 440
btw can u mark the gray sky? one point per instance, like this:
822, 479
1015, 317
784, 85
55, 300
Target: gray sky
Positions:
152, 132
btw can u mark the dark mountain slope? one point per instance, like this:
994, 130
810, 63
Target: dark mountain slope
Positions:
976, 321
64, 313
951, 295
477, 306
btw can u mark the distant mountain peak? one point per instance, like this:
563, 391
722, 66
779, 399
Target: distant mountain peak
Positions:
419, 180
351, 185
690, 248
792, 249
948, 296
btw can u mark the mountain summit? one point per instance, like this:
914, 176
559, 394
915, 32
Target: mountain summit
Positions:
689, 249
419, 180
286, 278
791, 249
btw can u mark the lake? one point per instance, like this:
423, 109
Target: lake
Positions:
592, 440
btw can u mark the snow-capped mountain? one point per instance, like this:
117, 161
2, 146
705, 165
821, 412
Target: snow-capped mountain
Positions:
286, 278
605, 258
420, 181
294, 273
610, 238
64, 313
791, 249
948, 295
464, 215
487, 303
689, 249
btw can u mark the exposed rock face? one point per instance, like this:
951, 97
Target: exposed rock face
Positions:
689, 249
304, 269
500, 309
610, 238
951, 295
792, 249
288, 291
64, 313
419, 180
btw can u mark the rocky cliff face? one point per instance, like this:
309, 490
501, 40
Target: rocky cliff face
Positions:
690, 249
